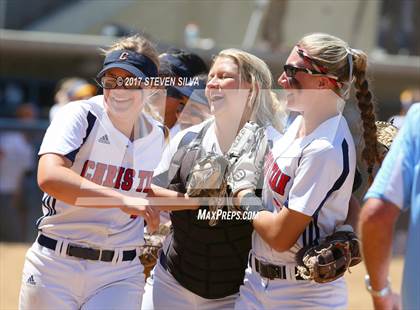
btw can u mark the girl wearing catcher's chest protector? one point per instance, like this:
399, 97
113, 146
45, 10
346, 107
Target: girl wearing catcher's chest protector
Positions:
202, 266
308, 175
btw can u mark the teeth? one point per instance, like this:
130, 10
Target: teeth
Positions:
122, 100
216, 97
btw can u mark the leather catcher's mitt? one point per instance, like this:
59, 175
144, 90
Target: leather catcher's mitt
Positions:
207, 180
246, 158
149, 252
329, 260
385, 133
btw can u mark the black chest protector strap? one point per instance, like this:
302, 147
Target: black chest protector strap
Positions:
190, 142
168, 177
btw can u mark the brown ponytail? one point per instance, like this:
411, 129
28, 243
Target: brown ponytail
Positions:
364, 100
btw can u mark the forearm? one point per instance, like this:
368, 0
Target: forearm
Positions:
353, 213
377, 222
377, 253
64, 184
264, 221
169, 200
264, 224
280, 230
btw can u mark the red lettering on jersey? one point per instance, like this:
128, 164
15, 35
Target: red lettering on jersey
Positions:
119, 176
128, 179
87, 165
110, 176
281, 184
277, 179
145, 181
99, 173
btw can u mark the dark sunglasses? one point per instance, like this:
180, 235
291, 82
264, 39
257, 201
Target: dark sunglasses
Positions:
292, 70
108, 82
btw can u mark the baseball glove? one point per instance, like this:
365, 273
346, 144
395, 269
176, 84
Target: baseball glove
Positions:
246, 158
332, 258
207, 180
149, 252
385, 133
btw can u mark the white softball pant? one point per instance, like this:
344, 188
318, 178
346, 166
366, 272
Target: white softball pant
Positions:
261, 293
53, 280
163, 292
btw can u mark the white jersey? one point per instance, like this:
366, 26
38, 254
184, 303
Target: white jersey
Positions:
83, 132
312, 175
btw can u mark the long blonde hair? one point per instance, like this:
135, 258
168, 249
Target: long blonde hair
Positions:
266, 108
350, 66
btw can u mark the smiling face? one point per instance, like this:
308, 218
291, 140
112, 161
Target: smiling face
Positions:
120, 102
192, 114
225, 90
303, 89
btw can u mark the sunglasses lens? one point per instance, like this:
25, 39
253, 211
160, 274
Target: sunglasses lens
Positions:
108, 82
290, 71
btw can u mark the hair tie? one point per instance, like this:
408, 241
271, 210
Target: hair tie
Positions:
350, 60
346, 93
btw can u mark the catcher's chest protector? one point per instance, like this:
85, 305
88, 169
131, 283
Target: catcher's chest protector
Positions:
207, 260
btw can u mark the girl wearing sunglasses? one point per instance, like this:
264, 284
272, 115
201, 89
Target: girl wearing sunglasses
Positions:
309, 175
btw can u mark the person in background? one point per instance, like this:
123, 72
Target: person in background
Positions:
71, 89
396, 188
194, 107
16, 160
178, 63
407, 98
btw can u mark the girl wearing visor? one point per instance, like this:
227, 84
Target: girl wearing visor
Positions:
309, 175
96, 154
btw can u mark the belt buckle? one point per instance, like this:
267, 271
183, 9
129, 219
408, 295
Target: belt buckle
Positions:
78, 250
272, 272
278, 272
266, 271
100, 255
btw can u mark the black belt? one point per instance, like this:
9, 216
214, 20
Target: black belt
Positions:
271, 271
85, 253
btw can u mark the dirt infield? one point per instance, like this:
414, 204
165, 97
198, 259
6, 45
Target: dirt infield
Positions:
12, 257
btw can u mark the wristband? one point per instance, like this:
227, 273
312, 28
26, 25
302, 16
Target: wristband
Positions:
251, 203
381, 293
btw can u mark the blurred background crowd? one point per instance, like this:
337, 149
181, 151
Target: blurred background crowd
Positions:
49, 56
